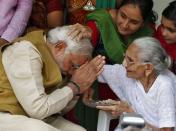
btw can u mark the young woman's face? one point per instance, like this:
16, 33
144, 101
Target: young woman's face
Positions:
129, 19
168, 30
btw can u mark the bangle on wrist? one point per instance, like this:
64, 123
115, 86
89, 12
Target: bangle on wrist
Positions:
75, 85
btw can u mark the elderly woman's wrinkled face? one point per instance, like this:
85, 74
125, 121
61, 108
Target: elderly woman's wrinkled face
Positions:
168, 30
134, 68
129, 19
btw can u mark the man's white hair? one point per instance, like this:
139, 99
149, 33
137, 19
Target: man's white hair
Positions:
58, 34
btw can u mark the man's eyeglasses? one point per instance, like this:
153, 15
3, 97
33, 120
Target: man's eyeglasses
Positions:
75, 66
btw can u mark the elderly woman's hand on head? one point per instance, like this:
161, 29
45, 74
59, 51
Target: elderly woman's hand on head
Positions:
78, 31
115, 108
88, 72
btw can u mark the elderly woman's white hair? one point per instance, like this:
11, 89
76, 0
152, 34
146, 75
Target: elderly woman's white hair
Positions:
150, 50
58, 34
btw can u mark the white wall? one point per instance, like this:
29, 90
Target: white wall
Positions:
159, 5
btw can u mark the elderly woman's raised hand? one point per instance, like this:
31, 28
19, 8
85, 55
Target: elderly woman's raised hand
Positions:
88, 72
78, 31
115, 108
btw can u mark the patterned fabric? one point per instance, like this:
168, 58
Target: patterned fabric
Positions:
76, 14
78, 4
40, 10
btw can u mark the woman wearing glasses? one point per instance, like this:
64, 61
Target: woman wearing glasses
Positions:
144, 84
112, 33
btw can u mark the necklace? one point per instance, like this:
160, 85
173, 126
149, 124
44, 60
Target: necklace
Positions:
89, 6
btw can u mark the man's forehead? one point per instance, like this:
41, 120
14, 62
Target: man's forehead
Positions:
79, 58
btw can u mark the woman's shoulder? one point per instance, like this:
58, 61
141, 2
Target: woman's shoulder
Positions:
113, 13
167, 80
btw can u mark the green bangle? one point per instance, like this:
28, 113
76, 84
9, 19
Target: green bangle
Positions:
76, 85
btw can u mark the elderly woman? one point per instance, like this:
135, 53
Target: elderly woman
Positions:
112, 32
143, 83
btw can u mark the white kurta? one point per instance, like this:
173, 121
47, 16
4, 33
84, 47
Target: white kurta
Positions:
23, 65
157, 106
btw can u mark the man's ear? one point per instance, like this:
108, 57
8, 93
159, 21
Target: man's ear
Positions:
148, 69
60, 47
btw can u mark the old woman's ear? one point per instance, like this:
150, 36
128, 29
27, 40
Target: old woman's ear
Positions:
148, 69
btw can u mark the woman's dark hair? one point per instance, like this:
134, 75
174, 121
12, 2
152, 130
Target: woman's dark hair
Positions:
146, 8
170, 12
